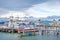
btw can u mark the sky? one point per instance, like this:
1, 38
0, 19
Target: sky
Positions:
36, 8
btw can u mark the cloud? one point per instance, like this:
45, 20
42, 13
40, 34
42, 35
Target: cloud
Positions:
51, 7
14, 13
36, 8
19, 4
3, 11
35, 13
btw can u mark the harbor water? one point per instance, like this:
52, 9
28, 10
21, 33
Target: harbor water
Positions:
15, 36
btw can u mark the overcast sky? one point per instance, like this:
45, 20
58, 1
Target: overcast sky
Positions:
36, 8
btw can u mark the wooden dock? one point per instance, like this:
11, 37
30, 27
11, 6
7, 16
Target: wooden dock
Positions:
8, 30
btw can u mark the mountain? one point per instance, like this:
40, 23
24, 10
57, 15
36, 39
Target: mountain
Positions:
53, 17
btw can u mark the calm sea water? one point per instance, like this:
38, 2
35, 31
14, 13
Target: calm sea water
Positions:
15, 36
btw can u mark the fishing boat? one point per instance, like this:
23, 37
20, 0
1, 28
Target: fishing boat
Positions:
28, 29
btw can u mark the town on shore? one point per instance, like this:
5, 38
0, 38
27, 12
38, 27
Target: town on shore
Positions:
30, 25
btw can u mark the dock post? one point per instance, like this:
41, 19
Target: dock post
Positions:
34, 30
42, 32
12, 30
23, 31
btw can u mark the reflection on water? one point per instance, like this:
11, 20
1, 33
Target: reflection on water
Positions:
15, 36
